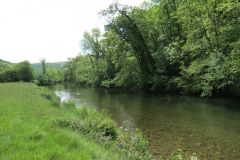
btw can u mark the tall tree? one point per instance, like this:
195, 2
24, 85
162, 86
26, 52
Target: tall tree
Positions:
43, 62
128, 30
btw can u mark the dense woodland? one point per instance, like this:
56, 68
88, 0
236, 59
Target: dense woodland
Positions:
187, 46
22, 71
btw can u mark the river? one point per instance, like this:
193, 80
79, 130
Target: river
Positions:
208, 127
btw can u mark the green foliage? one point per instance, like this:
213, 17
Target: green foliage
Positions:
187, 46
129, 74
4, 65
50, 73
102, 132
179, 155
55, 75
51, 97
79, 70
37, 67
37, 135
9, 75
133, 145
24, 71
43, 80
16, 72
98, 126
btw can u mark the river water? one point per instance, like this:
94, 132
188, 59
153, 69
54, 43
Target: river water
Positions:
208, 127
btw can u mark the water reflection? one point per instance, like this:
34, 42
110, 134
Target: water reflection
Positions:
208, 127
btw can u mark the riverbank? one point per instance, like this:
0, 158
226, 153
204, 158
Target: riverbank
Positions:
232, 92
169, 122
34, 125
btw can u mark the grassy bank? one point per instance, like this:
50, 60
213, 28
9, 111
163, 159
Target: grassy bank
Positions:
34, 125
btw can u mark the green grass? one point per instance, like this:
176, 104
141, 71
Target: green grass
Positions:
29, 128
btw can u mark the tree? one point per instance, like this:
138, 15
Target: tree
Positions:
24, 71
43, 62
128, 30
188, 46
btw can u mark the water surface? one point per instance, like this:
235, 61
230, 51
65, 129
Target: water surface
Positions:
208, 127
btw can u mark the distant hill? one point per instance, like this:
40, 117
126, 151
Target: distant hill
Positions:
55, 65
4, 65
2, 61
37, 67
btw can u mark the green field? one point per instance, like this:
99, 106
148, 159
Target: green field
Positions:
34, 125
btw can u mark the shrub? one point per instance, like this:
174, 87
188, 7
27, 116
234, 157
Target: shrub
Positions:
37, 135
43, 80
19, 72
98, 126
25, 71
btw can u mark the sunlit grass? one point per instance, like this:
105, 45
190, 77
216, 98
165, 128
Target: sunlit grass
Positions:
27, 129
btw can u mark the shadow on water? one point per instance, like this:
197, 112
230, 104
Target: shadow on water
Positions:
208, 127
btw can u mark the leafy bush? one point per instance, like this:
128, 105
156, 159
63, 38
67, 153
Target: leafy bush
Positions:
17, 72
24, 71
37, 135
132, 144
43, 80
9, 75
99, 126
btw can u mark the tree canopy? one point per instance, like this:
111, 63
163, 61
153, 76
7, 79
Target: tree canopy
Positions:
16, 72
187, 46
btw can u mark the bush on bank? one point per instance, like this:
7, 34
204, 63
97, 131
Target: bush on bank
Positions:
98, 126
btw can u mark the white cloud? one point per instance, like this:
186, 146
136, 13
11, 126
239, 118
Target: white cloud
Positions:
51, 29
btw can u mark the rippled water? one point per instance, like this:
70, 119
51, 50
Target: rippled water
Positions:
208, 127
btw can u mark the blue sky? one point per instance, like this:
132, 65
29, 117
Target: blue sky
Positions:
51, 29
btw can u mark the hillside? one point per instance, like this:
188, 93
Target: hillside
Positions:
4, 65
55, 65
36, 66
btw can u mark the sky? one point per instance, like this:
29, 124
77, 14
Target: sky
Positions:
51, 29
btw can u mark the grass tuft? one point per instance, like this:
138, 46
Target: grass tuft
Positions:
37, 135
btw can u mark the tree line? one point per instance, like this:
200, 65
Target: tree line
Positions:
42, 73
16, 72
187, 46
